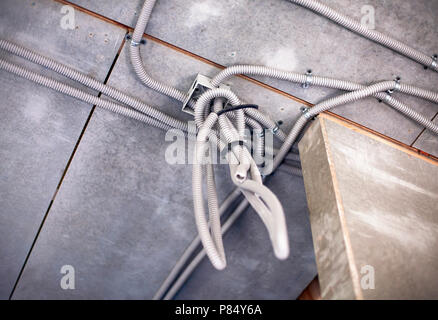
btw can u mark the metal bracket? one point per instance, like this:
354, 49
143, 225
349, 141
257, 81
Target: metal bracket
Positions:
134, 43
305, 112
396, 87
261, 134
434, 63
309, 80
388, 97
275, 129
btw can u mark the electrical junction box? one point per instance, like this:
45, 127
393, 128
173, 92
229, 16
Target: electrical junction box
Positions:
199, 87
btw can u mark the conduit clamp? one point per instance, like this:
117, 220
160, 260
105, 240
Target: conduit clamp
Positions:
388, 97
305, 112
135, 43
396, 87
309, 79
275, 129
261, 134
434, 63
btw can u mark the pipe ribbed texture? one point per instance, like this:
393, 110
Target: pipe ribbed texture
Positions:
376, 36
136, 59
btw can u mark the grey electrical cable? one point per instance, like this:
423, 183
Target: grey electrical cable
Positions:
299, 125
197, 260
324, 106
182, 261
222, 76
261, 199
339, 84
136, 59
245, 163
290, 170
376, 36
316, 80
293, 157
80, 94
83, 96
212, 245
92, 83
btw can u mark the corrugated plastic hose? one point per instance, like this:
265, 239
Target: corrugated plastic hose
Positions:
324, 106
93, 83
315, 80
376, 36
243, 168
262, 199
201, 117
339, 84
201, 255
81, 95
189, 251
136, 59
114, 93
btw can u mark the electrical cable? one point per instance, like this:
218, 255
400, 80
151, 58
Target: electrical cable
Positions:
231, 122
376, 36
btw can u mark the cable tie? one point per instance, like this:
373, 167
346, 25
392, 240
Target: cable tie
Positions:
229, 147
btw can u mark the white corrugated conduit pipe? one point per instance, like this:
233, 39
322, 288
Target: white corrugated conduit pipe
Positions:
341, 85
299, 125
93, 84
80, 94
136, 59
376, 36
244, 171
161, 87
166, 122
324, 106
262, 199
315, 80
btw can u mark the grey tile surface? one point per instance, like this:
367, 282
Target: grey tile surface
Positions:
428, 141
123, 216
39, 128
281, 34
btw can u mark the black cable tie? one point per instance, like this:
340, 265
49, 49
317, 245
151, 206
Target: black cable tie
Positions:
230, 146
242, 106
